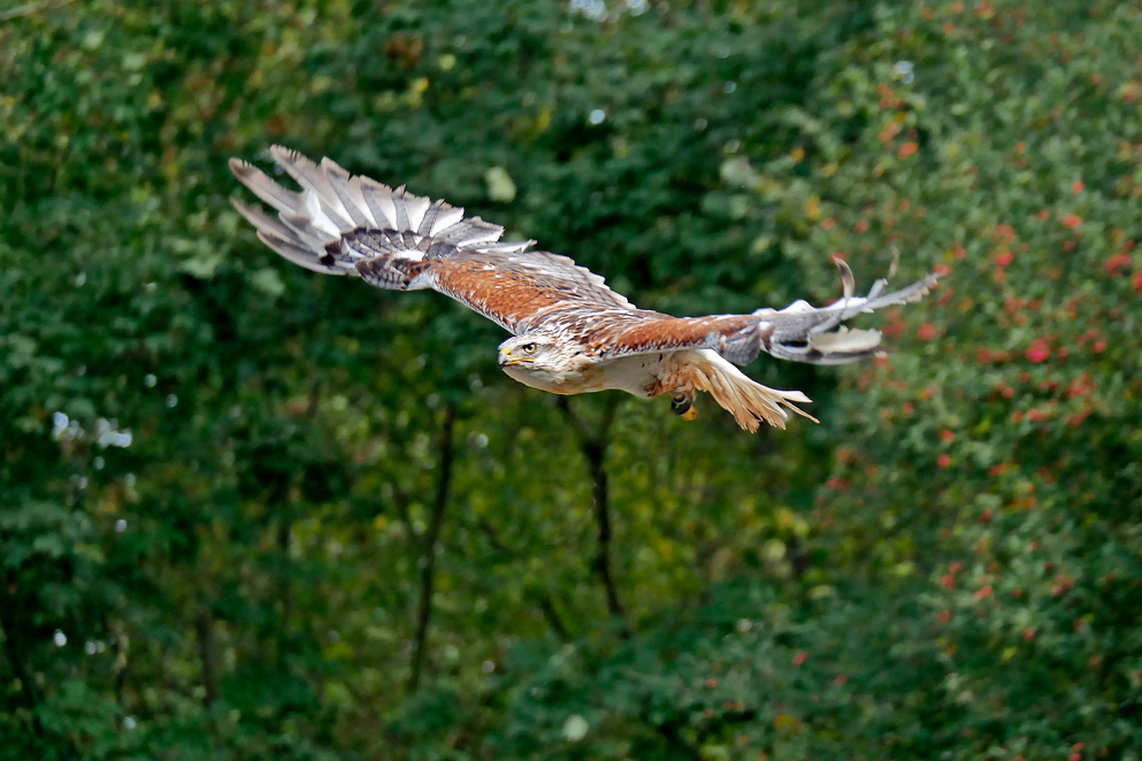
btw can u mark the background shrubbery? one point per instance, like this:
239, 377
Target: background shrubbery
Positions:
248, 512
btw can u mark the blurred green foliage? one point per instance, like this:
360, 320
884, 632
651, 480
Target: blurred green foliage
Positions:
249, 512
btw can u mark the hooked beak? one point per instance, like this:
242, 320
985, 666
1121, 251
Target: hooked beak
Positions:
507, 360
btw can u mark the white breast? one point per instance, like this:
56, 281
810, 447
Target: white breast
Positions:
632, 374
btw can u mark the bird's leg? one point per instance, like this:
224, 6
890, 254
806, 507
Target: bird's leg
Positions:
682, 405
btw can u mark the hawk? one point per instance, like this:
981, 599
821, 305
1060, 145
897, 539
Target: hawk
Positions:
571, 334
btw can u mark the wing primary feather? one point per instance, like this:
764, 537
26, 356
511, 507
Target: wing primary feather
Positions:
320, 186
379, 199
449, 215
263, 221
416, 207
356, 188
308, 174
264, 187
431, 214
802, 333
400, 209
292, 227
469, 231
303, 226
848, 282
299, 255
343, 186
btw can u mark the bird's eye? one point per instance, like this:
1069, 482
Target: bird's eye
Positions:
528, 348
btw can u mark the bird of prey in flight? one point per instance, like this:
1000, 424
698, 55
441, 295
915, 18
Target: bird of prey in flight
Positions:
571, 334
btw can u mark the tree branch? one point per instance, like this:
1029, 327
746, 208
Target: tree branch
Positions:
13, 639
204, 634
546, 603
446, 452
594, 447
400, 504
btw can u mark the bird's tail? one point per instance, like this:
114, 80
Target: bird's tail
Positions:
746, 399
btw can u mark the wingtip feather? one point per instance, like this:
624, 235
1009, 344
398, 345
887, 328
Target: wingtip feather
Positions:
239, 167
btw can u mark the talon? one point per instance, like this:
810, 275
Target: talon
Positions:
683, 407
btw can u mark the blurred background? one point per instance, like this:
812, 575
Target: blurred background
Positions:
250, 512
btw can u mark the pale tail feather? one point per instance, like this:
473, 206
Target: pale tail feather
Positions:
746, 399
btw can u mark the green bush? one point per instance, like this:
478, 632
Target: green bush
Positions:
251, 512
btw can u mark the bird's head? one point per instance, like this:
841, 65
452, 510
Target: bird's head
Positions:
533, 359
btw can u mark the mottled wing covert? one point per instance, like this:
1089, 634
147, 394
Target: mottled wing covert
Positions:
734, 336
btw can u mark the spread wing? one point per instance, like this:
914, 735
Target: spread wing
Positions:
341, 224
800, 332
